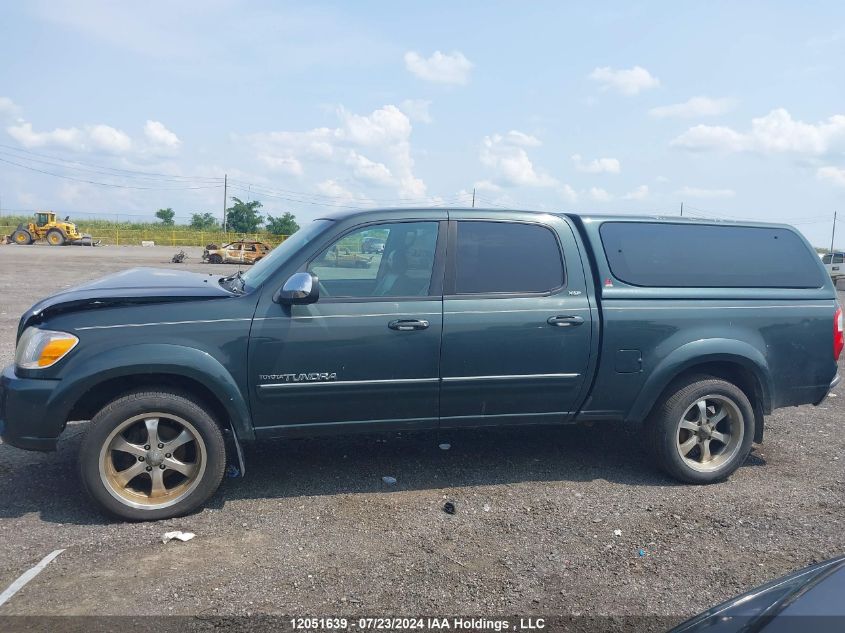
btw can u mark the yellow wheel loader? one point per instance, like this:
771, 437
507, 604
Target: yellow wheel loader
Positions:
47, 227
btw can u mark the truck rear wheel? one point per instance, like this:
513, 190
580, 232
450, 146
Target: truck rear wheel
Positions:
55, 237
702, 432
152, 455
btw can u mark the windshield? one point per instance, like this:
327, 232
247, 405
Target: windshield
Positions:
265, 267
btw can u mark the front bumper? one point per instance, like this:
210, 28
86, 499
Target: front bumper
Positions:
25, 420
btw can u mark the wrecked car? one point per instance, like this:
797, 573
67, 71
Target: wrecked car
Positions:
237, 252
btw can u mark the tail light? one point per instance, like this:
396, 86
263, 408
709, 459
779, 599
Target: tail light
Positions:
838, 333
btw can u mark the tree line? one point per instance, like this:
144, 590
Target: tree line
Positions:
241, 217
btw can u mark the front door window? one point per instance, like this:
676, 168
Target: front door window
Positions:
350, 268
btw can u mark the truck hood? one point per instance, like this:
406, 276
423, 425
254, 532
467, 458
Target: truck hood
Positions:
133, 286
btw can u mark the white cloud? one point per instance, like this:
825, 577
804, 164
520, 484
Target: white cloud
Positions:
316, 144
834, 175
109, 139
506, 155
285, 164
627, 81
448, 68
70, 138
694, 107
97, 138
160, 137
370, 171
417, 110
710, 137
334, 189
384, 134
8, 108
776, 132
697, 192
515, 137
600, 195
386, 125
640, 193
569, 194
486, 185
597, 165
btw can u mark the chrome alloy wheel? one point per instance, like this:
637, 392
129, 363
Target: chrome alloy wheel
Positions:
710, 433
152, 461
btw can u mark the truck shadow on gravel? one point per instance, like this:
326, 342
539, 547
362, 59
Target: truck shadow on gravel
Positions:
48, 484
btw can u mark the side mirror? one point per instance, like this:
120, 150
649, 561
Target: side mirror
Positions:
300, 288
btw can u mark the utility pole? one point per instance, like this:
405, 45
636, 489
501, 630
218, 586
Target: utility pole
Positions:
682, 209
833, 234
225, 194
473, 197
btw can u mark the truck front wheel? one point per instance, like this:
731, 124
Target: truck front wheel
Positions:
703, 430
21, 237
151, 455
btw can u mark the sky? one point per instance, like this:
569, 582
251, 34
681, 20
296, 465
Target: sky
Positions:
735, 109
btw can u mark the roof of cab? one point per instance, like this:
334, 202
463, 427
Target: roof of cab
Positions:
585, 217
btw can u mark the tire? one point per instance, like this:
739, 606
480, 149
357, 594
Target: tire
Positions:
681, 445
215, 259
56, 238
21, 237
119, 472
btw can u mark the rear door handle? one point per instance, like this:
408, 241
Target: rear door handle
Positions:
565, 321
406, 325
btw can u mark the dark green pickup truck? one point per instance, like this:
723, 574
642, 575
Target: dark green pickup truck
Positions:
467, 318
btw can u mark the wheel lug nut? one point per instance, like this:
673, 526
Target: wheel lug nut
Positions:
168, 455
161, 445
149, 468
141, 458
147, 447
162, 466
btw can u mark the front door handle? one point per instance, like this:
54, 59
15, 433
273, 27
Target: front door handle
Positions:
406, 325
565, 321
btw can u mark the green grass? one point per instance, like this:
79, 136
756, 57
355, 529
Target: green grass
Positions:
133, 233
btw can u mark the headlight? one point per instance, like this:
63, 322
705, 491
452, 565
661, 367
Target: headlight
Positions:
42, 348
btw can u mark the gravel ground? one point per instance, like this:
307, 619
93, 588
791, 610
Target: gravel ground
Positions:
313, 530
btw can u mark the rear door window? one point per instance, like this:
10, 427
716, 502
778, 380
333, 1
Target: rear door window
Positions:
506, 258
706, 256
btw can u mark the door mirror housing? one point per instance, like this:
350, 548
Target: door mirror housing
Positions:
299, 289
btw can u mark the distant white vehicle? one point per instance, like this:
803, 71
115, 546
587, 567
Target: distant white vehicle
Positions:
835, 264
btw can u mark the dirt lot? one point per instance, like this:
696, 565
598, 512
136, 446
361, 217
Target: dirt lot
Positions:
313, 530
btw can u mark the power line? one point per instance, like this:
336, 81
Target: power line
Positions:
332, 201
75, 164
102, 172
294, 200
43, 162
106, 184
277, 191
